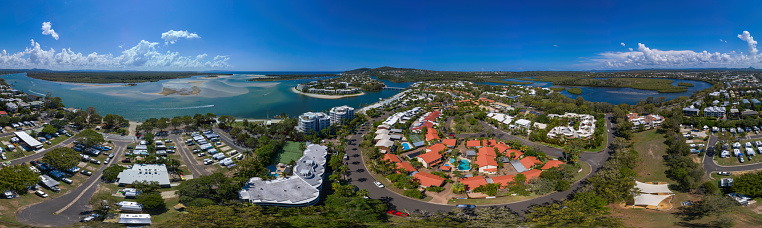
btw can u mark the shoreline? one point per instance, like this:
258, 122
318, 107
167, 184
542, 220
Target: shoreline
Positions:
322, 96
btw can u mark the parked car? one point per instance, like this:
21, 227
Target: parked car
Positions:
67, 180
90, 218
378, 184
55, 189
85, 172
465, 206
397, 213
41, 194
201, 154
126, 160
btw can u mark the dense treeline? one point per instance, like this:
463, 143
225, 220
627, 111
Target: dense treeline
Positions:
109, 77
681, 167
660, 85
575, 91
280, 77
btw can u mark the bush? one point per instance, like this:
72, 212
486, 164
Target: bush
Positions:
435, 189
151, 201
413, 193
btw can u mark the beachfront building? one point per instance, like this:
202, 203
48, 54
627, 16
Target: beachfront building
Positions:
301, 189
313, 121
341, 113
144, 172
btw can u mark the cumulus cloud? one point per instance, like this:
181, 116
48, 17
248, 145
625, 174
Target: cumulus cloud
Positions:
647, 57
171, 36
47, 30
621, 44
746, 36
144, 55
555, 45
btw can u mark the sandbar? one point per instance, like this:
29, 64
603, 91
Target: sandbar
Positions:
182, 92
323, 96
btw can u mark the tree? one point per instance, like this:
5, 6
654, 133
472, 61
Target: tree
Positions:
413, 193
749, 184
146, 186
17, 178
49, 129
458, 188
62, 158
151, 201
110, 173
90, 138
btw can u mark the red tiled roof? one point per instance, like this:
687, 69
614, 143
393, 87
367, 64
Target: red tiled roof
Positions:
531, 174
490, 170
503, 180
551, 164
3, 113
473, 143
437, 147
445, 167
473, 182
430, 136
485, 160
407, 166
449, 142
516, 154
430, 157
492, 142
487, 150
502, 147
428, 179
485, 143
529, 161
391, 157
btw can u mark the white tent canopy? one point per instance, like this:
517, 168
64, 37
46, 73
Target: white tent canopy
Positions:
652, 188
650, 200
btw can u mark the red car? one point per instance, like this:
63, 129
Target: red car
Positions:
398, 213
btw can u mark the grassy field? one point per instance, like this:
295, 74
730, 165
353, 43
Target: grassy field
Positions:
743, 216
290, 152
650, 146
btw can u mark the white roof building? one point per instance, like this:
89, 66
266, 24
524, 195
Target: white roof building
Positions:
145, 172
301, 189
29, 140
135, 219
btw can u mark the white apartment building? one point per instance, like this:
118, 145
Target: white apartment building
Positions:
313, 121
339, 114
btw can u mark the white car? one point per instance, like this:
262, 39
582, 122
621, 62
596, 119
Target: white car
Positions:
41, 194
378, 184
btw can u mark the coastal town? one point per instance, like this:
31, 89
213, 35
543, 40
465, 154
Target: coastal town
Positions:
376, 114
432, 147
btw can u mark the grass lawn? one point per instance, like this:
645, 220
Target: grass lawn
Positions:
650, 147
743, 216
54, 141
290, 152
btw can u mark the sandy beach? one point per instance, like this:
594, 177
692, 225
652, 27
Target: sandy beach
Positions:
322, 96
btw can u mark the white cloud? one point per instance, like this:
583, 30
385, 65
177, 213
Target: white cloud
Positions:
746, 36
725, 41
47, 30
142, 56
646, 57
621, 44
555, 45
171, 36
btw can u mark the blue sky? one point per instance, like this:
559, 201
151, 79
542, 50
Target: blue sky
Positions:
343, 35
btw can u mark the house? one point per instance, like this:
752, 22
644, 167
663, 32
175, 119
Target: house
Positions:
3, 113
529, 162
501, 147
690, 111
532, 174
473, 143
514, 154
473, 182
450, 142
551, 164
436, 148
432, 135
523, 123
428, 179
504, 180
430, 159
518, 166
392, 158
485, 160
384, 144
406, 166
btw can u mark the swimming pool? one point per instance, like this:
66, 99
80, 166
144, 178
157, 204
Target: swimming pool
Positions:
407, 146
464, 165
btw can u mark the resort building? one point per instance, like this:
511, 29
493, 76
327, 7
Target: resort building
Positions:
430, 158
690, 111
341, 113
714, 111
301, 189
428, 179
144, 172
313, 121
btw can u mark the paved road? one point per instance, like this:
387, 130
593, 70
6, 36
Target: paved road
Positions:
193, 166
39, 154
230, 142
711, 166
360, 177
71, 207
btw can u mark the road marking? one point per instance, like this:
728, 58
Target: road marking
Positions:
83, 191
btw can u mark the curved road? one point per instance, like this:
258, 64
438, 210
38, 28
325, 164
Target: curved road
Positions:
69, 208
360, 177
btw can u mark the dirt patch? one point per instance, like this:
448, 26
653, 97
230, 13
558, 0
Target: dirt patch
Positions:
3, 208
169, 194
651, 152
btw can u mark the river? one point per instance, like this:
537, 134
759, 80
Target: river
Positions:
615, 96
224, 95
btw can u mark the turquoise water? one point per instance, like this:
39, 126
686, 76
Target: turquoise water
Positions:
621, 95
232, 95
407, 146
464, 165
